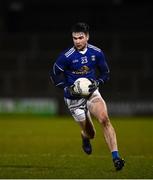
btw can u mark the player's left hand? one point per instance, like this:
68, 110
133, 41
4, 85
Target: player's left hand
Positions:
93, 86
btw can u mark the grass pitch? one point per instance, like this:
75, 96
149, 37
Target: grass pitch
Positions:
50, 148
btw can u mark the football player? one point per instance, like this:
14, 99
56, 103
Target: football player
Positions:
83, 60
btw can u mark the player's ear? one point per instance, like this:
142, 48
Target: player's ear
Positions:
87, 36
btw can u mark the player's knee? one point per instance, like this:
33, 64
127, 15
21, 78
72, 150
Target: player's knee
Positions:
104, 119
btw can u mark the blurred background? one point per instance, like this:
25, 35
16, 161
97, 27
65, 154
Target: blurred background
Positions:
34, 32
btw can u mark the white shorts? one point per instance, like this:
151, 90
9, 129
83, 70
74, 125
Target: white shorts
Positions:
79, 107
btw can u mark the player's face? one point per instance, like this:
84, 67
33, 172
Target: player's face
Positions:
80, 40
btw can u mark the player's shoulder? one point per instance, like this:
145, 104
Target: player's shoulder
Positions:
94, 48
68, 52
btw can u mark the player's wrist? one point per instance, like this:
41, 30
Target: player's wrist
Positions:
94, 85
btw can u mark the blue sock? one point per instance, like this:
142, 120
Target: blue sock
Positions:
115, 154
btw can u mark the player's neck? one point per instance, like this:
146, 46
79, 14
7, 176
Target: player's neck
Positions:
83, 50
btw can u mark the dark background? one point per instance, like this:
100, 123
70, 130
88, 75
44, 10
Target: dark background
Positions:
34, 32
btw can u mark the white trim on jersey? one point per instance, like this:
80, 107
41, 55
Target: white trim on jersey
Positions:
94, 47
59, 83
69, 52
101, 80
57, 67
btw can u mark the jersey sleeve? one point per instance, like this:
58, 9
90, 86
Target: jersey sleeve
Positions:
103, 68
57, 72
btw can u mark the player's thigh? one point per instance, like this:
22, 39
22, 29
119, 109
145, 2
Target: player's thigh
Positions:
97, 105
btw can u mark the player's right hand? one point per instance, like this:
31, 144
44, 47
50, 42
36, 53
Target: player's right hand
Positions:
70, 90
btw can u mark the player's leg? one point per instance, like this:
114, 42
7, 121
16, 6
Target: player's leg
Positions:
86, 136
87, 133
78, 111
87, 126
97, 107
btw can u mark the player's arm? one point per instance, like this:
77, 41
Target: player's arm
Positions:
103, 69
57, 78
56, 73
103, 75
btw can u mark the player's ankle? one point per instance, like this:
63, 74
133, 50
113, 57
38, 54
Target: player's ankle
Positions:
115, 154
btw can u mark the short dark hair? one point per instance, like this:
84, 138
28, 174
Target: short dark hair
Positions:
80, 27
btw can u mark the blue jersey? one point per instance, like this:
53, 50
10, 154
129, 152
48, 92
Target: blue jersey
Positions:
73, 64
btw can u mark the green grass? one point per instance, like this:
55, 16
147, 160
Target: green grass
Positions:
49, 147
